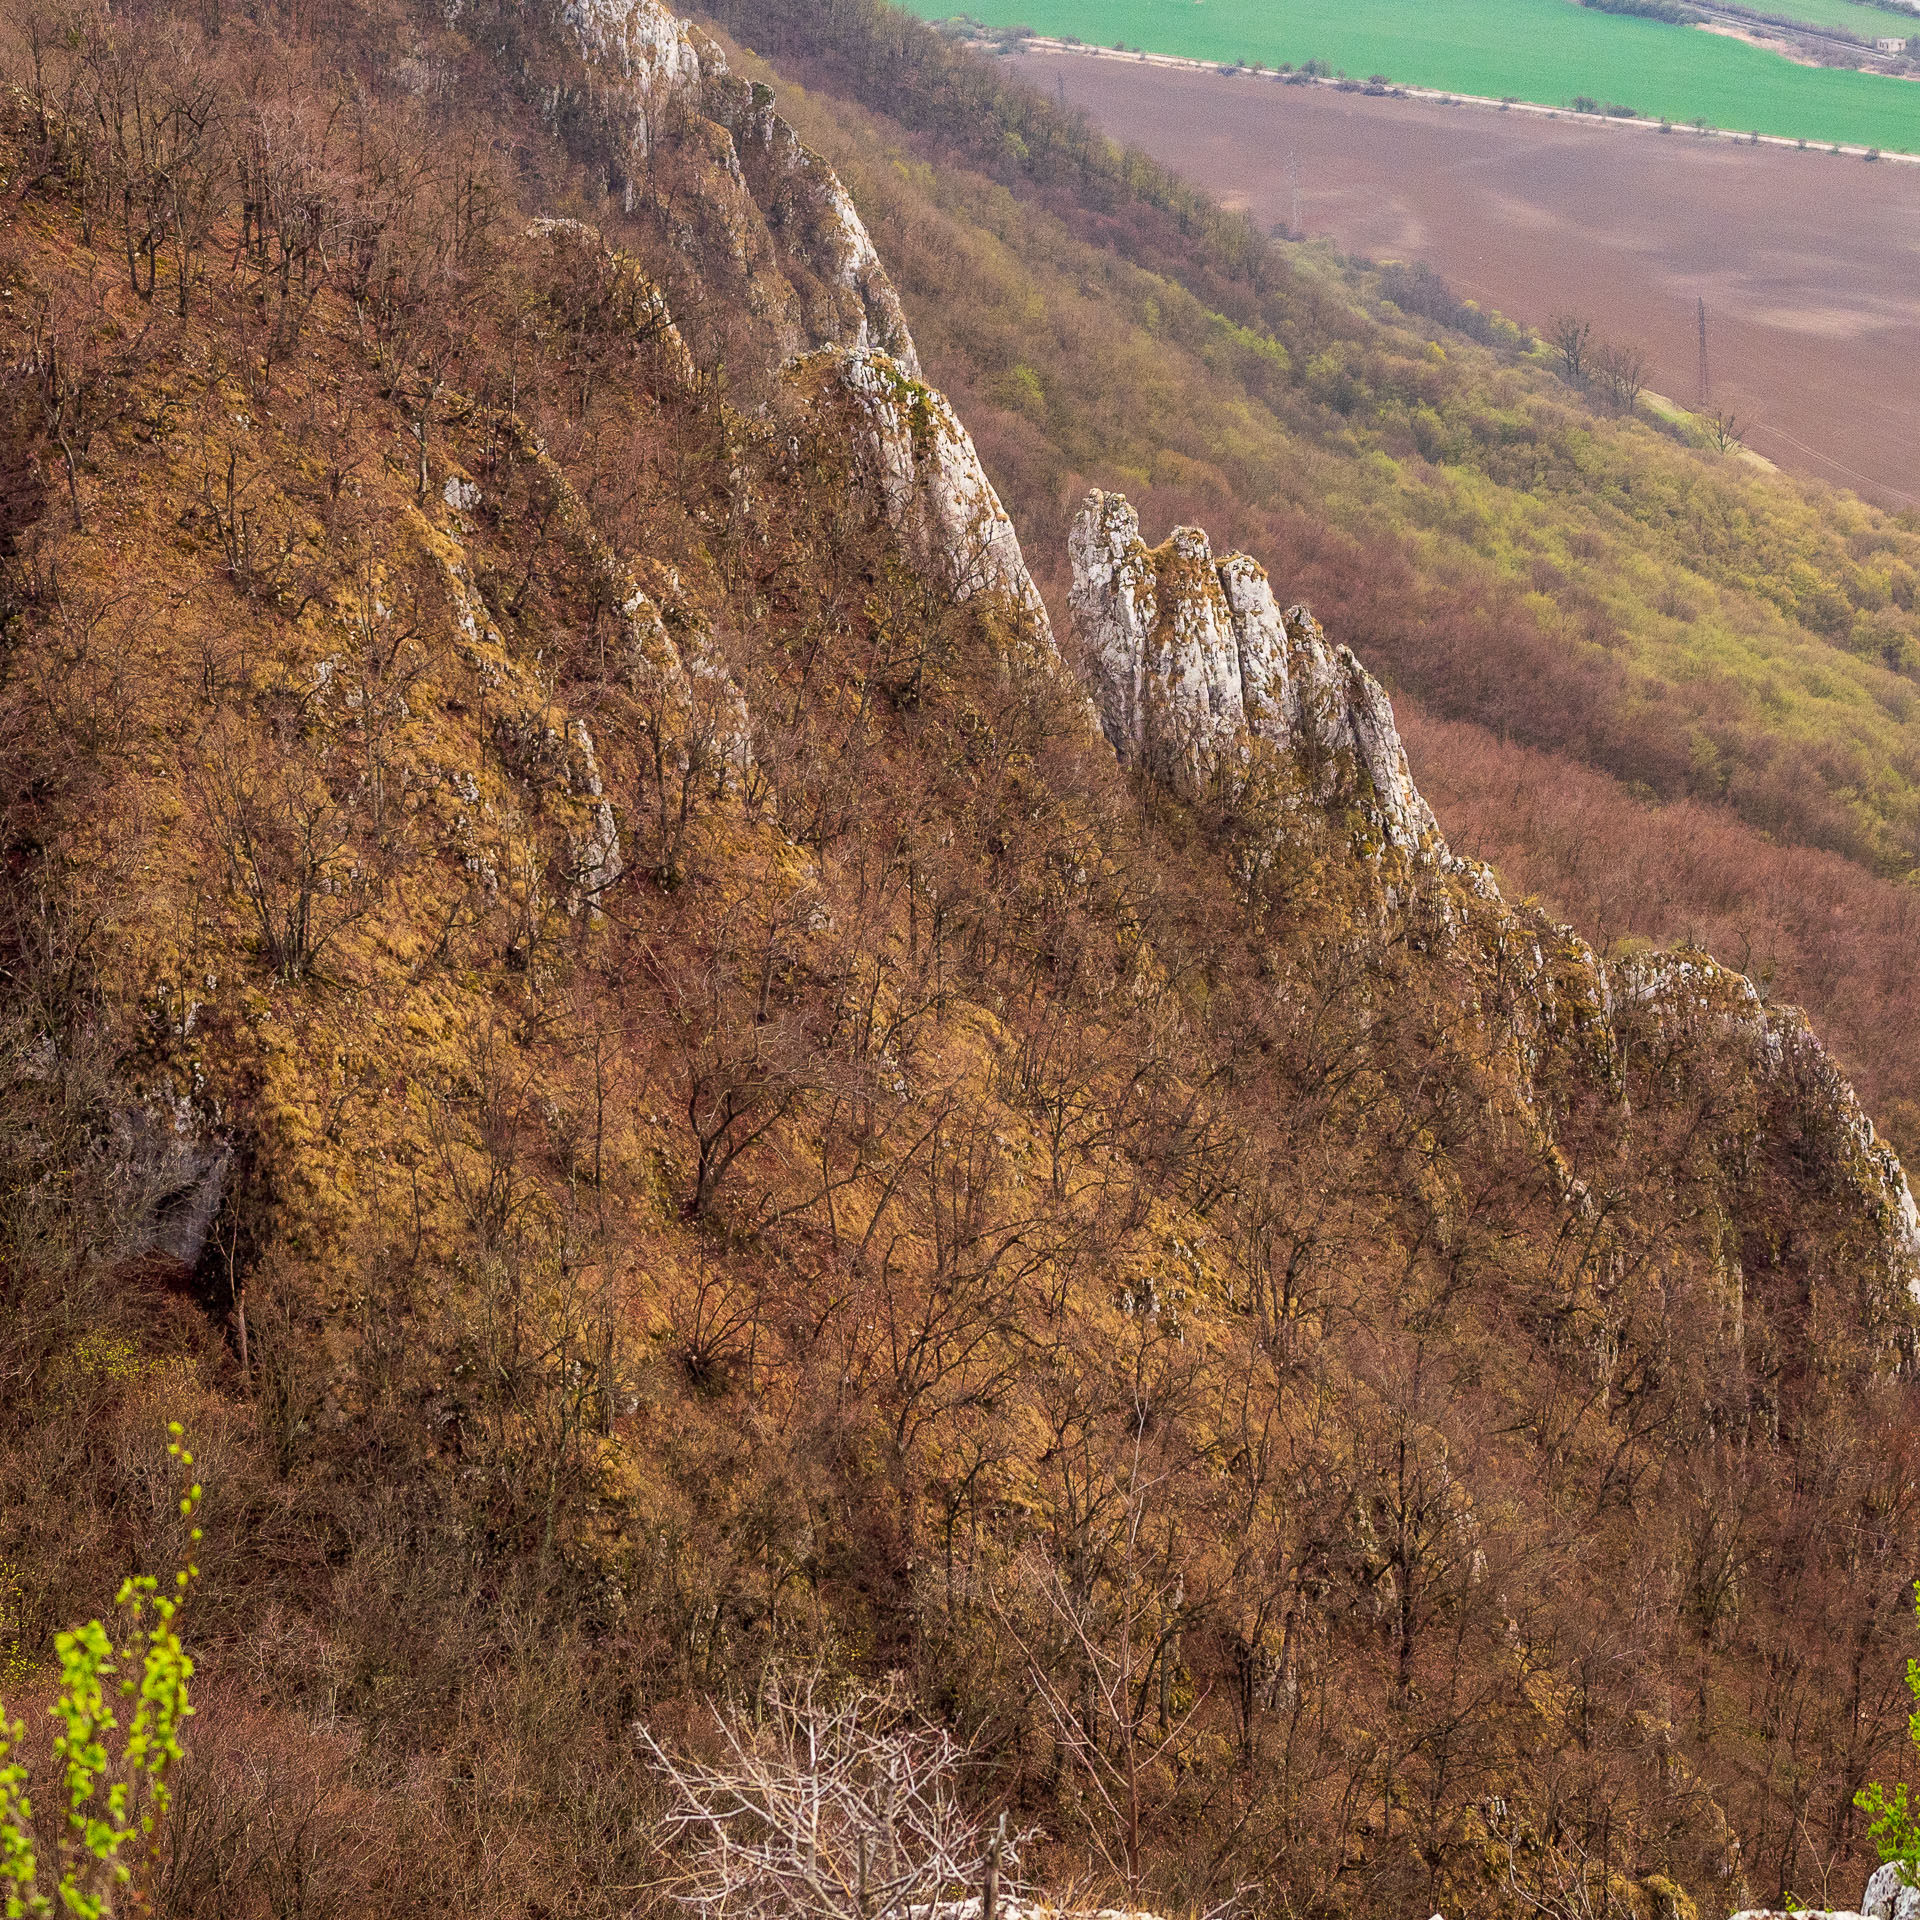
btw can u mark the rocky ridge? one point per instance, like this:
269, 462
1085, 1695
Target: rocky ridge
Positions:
657, 823
914, 453
1196, 671
1196, 674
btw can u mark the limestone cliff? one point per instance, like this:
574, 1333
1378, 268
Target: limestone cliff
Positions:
769, 239
1192, 659
1197, 674
1195, 669
765, 224
912, 449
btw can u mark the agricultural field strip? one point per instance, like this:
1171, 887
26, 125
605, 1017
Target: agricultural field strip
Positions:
1047, 43
1808, 263
1806, 30
1841, 17
1545, 52
1850, 16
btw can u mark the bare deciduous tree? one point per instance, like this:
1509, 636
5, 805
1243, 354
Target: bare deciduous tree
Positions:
1571, 337
1567, 1882
825, 1804
1103, 1659
1621, 372
289, 844
75, 357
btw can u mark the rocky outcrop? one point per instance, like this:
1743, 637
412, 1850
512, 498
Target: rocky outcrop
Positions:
846, 298
774, 237
1197, 674
645, 46
923, 464
1192, 660
1889, 1896
1795, 1074
775, 246
597, 863
1194, 668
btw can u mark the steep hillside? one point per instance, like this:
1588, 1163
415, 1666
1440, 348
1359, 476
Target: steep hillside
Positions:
676, 1075
1510, 555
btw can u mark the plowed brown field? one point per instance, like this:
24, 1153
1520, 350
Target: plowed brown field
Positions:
1809, 263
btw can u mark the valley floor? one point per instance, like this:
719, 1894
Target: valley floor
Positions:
1807, 262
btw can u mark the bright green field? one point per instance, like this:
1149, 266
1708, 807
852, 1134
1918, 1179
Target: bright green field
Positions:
1541, 50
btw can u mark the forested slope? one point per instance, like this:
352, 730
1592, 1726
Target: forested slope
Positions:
676, 1076
1507, 554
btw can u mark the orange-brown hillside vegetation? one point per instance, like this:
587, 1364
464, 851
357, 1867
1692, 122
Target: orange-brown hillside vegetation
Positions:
586, 1002
1502, 545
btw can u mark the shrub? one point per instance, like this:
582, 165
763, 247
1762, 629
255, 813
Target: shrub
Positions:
111, 1798
1894, 1825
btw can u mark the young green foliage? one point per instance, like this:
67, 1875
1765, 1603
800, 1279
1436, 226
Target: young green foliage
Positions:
1895, 1825
115, 1791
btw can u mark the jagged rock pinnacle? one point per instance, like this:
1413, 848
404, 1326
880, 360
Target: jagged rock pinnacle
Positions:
1192, 657
922, 461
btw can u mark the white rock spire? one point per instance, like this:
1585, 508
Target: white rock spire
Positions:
1192, 658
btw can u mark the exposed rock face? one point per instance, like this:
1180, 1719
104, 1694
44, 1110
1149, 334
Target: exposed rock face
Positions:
1197, 674
1888, 1897
1797, 1074
770, 228
1193, 662
922, 460
1192, 658
646, 46
1797, 1913
597, 861
772, 238
845, 295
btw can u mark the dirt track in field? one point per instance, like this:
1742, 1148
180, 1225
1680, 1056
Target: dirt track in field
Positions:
1809, 263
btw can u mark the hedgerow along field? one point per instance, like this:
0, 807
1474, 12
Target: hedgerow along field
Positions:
1545, 51
1865, 22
